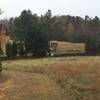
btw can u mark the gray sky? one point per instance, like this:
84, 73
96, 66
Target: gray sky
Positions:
13, 8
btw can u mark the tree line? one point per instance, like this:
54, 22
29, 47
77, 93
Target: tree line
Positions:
64, 28
36, 31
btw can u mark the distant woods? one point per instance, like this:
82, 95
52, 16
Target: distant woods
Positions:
64, 28
36, 31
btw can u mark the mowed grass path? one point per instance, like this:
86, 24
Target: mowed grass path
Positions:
65, 78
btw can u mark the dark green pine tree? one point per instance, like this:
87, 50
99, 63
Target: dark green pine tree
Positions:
9, 50
14, 50
40, 46
28, 30
88, 45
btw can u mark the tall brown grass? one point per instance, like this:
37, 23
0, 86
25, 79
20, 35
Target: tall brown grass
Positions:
79, 77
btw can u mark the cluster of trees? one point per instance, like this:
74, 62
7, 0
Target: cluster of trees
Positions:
36, 31
93, 37
64, 28
30, 34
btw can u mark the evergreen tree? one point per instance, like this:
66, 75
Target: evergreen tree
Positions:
28, 29
14, 50
88, 45
9, 50
40, 46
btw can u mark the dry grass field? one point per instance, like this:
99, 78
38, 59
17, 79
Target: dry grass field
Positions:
69, 47
65, 78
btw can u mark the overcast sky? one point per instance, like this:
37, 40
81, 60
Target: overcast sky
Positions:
13, 8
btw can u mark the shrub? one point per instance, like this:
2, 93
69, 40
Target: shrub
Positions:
21, 50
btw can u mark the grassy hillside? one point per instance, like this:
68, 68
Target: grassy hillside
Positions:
69, 47
65, 78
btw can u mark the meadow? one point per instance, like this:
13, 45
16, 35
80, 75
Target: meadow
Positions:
62, 78
68, 47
